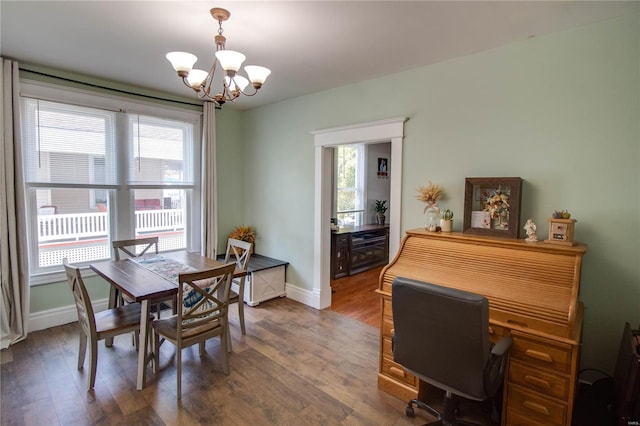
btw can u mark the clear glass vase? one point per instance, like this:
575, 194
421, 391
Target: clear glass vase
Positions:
431, 217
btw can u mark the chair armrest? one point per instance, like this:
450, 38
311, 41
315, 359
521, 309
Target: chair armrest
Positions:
501, 348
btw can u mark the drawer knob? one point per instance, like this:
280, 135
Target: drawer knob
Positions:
397, 371
537, 382
539, 355
538, 408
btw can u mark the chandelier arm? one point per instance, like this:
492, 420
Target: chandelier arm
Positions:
209, 79
186, 83
255, 90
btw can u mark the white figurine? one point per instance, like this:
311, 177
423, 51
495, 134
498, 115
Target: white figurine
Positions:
530, 228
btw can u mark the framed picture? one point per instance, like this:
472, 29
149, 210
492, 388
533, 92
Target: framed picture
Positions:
492, 206
383, 167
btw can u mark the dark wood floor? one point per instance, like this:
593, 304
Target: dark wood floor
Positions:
295, 366
356, 296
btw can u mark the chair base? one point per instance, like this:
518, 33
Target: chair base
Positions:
448, 415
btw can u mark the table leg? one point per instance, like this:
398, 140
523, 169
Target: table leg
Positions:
143, 344
113, 302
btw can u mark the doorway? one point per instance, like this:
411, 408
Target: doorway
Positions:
391, 130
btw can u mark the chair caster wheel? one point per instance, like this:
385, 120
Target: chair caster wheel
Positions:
409, 411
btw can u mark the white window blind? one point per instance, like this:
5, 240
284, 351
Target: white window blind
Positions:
68, 145
160, 152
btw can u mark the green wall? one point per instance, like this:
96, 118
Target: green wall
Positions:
231, 169
561, 111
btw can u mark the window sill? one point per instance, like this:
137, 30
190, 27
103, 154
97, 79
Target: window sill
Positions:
56, 277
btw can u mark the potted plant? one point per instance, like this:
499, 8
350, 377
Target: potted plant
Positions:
380, 209
244, 233
446, 220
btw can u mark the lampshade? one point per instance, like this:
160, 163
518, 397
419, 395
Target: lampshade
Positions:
182, 61
257, 74
196, 78
230, 60
239, 80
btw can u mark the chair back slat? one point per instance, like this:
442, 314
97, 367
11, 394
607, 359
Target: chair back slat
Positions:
130, 247
238, 251
86, 317
205, 296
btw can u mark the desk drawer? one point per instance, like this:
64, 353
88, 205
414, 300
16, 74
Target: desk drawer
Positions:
538, 380
395, 370
541, 352
514, 418
387, 327
535, 407
387, 309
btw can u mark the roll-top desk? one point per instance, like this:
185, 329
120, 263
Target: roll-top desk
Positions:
533, 293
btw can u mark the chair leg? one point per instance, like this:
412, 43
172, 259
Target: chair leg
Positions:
179, 373
241, 305
82, 349
135, 337
225, 354
202, 351
156, 351
228, 338
93, 362
241, 315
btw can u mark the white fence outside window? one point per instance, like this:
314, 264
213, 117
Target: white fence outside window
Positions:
83, 237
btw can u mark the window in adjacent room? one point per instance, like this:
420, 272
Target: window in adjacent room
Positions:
349, 166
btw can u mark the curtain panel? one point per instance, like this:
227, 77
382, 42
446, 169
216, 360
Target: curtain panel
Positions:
13, 244
209, 192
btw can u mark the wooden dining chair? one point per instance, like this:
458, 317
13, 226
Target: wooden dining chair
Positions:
96, 326
239, 252
204, 297
126, 249
135, 248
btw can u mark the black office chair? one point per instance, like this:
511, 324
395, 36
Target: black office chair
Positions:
441, 336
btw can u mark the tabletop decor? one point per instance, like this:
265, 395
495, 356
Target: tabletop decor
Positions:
492, 206
530, 229
446, 220
430, 195
561, 228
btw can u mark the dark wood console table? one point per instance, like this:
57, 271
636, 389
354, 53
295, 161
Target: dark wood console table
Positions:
359, 248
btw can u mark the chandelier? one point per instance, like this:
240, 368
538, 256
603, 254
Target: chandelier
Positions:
233, 84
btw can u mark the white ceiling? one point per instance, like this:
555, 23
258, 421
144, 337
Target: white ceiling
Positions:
309, 45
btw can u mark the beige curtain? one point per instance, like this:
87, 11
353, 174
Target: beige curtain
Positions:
209, 192
13, 244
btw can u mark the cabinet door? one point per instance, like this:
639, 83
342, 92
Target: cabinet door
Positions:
368, 249
339, 255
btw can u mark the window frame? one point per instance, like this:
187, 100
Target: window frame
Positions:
120, 196
359, 188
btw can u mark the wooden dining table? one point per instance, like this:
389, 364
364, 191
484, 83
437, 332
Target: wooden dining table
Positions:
142, 285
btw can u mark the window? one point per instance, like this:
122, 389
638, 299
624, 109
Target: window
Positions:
95, 174
349, 185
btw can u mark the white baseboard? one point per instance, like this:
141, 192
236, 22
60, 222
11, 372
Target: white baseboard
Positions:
59, 316
307, 297
66, 314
